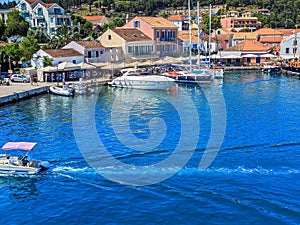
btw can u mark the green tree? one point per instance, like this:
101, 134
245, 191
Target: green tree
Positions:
39, 35
2, 29
28, 47
47, 61
16, 25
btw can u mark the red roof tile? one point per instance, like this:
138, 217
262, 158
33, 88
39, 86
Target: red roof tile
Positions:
175, 18
275, 39
93, 18
249, 46
57, 53
90, 44
131, 34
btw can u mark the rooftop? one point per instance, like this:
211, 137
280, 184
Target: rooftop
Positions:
158, 22
57, 53
131, 34
93, 18
90, 44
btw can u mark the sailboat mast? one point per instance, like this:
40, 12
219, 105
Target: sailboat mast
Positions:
190, 33
209, 37
198, 14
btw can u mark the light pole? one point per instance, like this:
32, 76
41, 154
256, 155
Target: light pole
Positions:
295, 42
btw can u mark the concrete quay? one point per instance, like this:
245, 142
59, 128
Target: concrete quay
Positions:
18, 91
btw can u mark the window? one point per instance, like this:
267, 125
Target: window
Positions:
109, 37
40, 11
89, 54
51, 20
157, 34
101, 52
287, 50
74, 61
136, 24
97, 54
130, 49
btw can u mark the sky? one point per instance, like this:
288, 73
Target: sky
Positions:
2, 1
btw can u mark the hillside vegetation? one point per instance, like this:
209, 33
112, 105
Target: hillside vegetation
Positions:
284, 13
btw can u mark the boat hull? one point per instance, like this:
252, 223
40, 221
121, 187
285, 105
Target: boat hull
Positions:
160, 82
61, 91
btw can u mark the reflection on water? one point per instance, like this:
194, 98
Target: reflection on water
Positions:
21, 188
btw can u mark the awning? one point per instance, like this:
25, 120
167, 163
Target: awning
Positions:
48, 69
249, 56
268, 55
26, 146
67, 66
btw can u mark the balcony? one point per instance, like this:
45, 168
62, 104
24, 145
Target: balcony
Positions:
38, 16
168, 39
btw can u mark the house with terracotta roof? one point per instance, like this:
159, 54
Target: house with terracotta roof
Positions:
160, 30
58, 56
46, 17
97, 20
239, 37
224, 41
251, 51
180, 21
93, 51
264, 11
127, 43
270, 37
240, 23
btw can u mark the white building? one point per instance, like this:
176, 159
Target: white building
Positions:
93, 51
4, 14
43, 16
57, 55
287, 46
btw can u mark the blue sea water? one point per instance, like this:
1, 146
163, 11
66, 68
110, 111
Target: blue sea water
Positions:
253, 179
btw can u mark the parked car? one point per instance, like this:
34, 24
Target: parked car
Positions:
20, 78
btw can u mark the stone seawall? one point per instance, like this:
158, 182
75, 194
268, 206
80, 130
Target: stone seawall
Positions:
16, 96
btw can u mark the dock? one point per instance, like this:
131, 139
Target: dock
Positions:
18, 91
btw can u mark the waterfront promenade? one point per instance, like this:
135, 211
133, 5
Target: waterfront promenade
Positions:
17, 91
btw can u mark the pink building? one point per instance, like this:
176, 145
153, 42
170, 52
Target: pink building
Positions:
239, 23
163, 32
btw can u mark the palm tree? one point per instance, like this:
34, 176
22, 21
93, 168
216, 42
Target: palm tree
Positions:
62, 36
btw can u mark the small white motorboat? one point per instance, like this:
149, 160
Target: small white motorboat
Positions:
143, 80
82, 88
10, 164
65, 91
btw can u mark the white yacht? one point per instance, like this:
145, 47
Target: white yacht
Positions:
143, 80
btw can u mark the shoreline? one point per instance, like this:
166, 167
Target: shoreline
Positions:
19, 91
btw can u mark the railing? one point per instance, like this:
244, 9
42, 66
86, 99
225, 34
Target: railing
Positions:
168, 39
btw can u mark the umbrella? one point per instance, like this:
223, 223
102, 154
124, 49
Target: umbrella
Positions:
49, 69
86, 66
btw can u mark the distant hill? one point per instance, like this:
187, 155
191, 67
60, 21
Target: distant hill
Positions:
284, 13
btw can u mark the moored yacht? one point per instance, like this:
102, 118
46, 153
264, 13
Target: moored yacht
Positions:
143, 80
